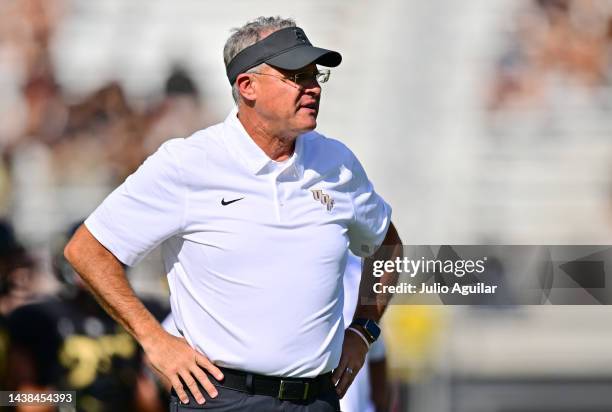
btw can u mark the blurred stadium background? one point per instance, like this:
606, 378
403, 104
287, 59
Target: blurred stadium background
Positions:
487, 121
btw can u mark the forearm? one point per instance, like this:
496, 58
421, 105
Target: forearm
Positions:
106, 279
372, 305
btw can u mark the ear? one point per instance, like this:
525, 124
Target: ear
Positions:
246, 87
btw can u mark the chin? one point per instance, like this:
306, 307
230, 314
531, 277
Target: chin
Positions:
309, 124
304, 123
307, 129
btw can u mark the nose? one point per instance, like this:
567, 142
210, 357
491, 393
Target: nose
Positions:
312, 87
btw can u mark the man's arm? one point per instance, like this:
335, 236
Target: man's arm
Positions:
172, 357
369, 305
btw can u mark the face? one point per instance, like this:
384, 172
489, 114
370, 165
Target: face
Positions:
285, 107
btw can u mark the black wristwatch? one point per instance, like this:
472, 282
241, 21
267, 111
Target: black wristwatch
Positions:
372, 331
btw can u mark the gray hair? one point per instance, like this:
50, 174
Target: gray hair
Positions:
249, 34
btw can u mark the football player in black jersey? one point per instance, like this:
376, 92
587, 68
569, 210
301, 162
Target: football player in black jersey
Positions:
70, 343
13, 257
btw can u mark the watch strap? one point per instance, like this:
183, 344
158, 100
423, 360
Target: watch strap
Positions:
369, 326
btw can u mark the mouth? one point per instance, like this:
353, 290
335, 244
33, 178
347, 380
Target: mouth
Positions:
313, 107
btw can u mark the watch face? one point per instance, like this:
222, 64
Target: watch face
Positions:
370, 327
373, 329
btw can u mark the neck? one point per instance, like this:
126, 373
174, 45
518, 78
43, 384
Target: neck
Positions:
277, 146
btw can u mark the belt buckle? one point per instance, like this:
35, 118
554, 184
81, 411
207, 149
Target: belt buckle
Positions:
290, 390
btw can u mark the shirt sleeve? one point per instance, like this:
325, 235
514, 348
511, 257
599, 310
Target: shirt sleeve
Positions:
148, 208
371, 215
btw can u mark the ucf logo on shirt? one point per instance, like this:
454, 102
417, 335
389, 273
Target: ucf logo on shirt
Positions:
325, 199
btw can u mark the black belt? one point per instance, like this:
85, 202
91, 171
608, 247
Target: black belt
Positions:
294, 389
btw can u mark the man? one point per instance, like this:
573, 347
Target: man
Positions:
254, 216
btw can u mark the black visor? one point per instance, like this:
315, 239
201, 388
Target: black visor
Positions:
287, 48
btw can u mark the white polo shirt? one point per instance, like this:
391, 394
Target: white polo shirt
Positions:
254, 249
358, 397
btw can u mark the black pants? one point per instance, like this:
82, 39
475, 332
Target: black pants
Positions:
231, 400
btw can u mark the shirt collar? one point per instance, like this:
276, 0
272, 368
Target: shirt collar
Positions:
253, 157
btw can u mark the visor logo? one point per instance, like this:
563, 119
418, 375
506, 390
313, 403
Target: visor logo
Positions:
300, 36
324, 198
